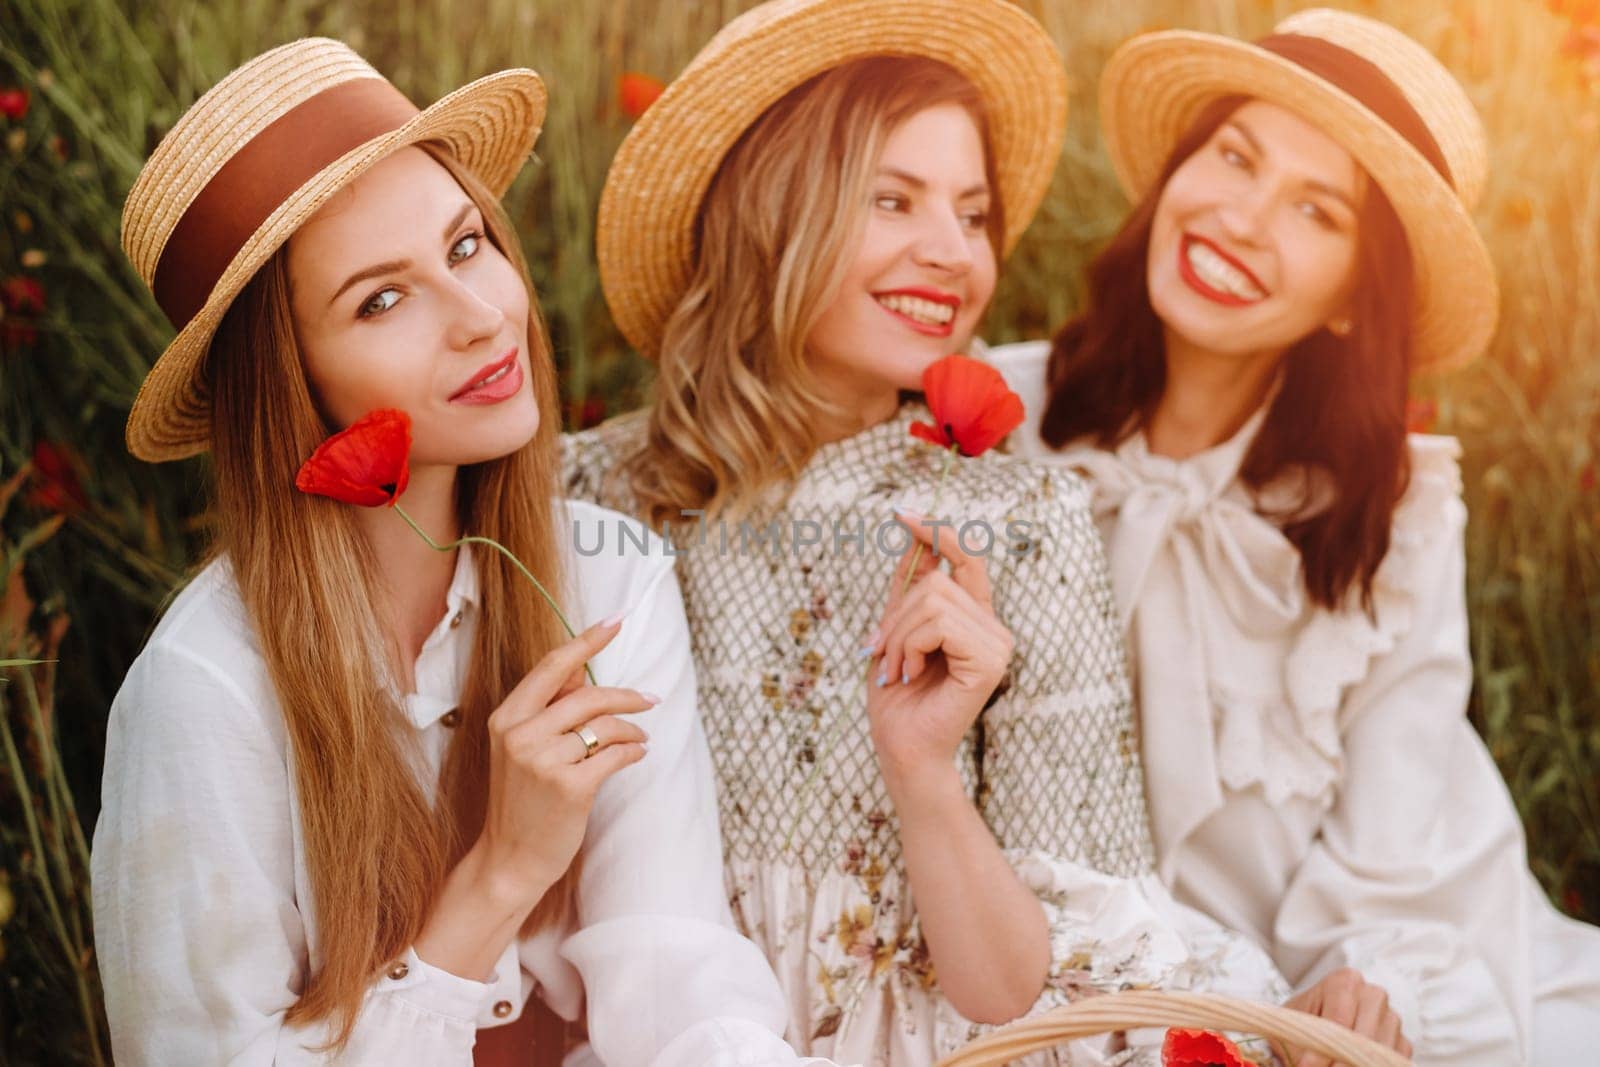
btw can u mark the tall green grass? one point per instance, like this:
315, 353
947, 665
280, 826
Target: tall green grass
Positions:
107, 79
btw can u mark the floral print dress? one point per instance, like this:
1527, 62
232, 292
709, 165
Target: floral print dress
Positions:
779, 605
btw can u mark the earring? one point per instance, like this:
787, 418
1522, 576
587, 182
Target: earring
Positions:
1341, 326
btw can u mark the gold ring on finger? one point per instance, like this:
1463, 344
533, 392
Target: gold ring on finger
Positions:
591, 742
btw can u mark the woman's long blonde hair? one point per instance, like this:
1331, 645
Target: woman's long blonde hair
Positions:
736, 406
376, 847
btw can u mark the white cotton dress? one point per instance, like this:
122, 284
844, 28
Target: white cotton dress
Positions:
1313, 779
203, 925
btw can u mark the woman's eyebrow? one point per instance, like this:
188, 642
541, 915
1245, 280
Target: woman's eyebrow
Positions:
394, 265
918, 184
1311, 183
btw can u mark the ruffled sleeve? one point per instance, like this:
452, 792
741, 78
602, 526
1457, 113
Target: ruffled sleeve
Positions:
1415, 876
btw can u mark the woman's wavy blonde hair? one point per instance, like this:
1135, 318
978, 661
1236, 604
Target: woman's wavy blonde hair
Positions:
736, 406
377, 848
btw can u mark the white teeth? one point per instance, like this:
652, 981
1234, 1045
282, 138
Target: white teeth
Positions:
928, 312
1220, 274
495, 377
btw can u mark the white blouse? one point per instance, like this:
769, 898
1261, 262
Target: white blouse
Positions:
201, 895
1313, 779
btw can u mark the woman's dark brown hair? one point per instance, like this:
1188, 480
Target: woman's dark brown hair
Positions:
1338, 420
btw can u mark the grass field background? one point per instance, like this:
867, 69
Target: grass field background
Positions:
94, 541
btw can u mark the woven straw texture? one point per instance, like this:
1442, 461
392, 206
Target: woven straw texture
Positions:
1156, 85
490, 125
645, 243
1148, 1008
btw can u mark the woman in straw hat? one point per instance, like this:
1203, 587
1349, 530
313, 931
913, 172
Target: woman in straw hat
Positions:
1288, 563
808, 217
357, 801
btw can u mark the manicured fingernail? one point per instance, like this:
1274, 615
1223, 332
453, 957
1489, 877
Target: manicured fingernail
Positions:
651, 697
905, 677
883, 679
865, 653
612, 620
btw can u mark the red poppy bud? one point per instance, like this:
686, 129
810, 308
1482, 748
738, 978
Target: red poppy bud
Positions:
972, 406
636, 92
22, 295
14, 103
1200, 1048
367, 464
1421, 415
55, 480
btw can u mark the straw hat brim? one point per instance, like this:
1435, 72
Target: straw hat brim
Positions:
645, 242
489, 125
1156, 85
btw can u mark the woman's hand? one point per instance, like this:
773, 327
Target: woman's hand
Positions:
541, 786
937, 656
1345, 997
541, 781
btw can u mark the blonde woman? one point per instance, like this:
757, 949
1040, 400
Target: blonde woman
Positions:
357, 802
931, 803
1288, 562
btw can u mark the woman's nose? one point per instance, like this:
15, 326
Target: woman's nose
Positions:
1245, 216
472, 318
942, 243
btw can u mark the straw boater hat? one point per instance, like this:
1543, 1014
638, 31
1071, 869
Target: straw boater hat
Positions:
654, 189
254, 158
1377, 92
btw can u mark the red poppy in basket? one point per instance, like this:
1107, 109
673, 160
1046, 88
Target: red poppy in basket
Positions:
972, 407
1201, 1048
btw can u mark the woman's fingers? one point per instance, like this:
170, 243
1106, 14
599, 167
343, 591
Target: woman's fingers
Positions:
593, 772
541, 685
567, 747
942, 619
1372, 1006
583, 704
970, 571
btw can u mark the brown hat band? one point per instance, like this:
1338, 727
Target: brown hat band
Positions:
261, 175
1366, 81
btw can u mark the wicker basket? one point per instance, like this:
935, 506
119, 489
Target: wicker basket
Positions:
1146, 1008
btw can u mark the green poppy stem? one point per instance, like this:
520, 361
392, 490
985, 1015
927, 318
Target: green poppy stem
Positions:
515, 562
938, 491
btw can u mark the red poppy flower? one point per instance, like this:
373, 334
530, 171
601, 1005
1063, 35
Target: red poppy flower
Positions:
367, 464
1200, 1048
1422, 413
23, 298
592, 412
55, 480
13, 103
636, 92
972, 407
22, 295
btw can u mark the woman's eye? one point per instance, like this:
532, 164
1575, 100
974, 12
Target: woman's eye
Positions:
976, 220
379, 302
1316, 214
890, 202
471, 242
1234, 158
